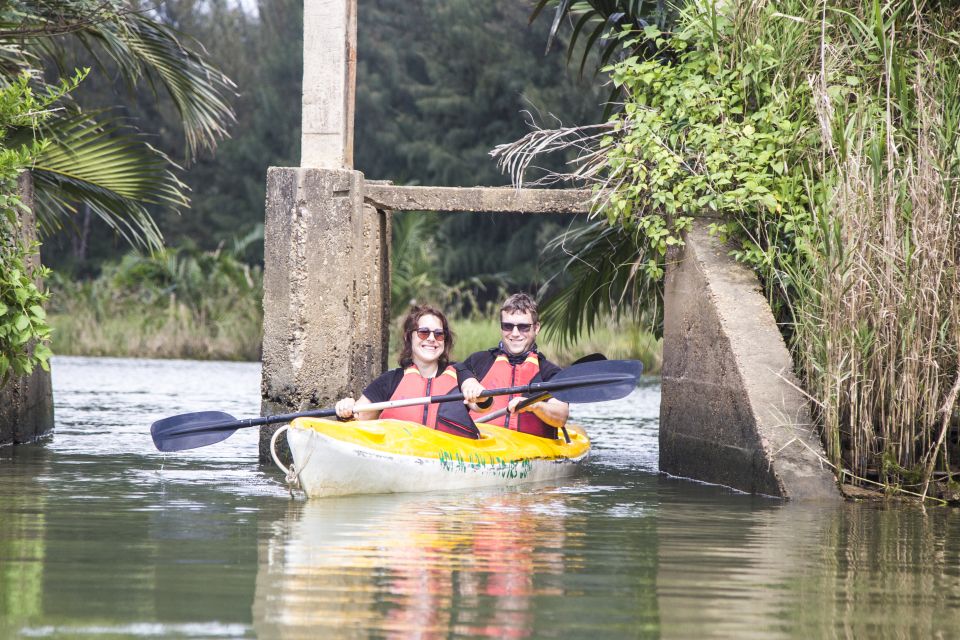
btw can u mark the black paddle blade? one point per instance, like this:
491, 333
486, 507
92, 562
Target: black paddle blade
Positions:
591, 357
177, 433
614, 379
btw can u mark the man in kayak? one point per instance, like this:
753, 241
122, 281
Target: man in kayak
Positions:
514, 362
424, 370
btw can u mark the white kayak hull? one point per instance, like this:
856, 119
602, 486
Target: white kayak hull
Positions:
328, 466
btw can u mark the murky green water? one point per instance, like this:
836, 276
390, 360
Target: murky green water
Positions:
103, 537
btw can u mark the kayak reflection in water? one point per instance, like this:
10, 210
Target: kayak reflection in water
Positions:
424, 370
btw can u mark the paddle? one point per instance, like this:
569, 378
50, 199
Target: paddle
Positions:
493, 415
586, 382
540, 397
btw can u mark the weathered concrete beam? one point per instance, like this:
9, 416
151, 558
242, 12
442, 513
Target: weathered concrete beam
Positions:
477, 199
26, 403
326, 299
731, 411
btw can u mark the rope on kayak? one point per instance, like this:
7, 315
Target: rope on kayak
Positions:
290, 474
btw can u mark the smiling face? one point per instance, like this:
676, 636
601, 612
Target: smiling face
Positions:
427, 350
514, 340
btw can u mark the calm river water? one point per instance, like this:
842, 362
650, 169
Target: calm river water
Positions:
103, 537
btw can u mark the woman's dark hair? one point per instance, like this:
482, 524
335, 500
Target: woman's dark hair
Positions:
411, 323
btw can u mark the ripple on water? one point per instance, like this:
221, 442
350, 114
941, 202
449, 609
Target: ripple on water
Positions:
103, 536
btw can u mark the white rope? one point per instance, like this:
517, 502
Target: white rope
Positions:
289, 473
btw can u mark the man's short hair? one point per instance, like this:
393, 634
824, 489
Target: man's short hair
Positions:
521, 303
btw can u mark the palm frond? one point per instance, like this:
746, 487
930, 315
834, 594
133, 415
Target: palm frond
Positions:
108, 168
599, 275
142, 47
603, 18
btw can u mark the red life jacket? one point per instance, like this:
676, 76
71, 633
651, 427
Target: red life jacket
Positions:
413, 385
503, 374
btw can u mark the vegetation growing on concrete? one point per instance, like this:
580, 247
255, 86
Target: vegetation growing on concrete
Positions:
826, 136
24, 333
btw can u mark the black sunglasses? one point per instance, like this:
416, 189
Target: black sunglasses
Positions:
508, 327
423, 333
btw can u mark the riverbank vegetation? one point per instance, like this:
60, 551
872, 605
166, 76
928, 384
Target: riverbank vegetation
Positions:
176, 303
189, 303
824, 138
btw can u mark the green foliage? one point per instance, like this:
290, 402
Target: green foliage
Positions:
439, 84
594, 20
24, 333
416, 278
180, 303
263, 54
600, 275
94, 158
704, 136
824, 140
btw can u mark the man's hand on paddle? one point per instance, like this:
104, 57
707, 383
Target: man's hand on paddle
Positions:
471, 390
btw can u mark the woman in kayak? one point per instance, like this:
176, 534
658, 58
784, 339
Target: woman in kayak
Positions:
425, 370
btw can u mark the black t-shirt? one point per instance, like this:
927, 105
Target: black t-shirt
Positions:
382, 388
479, 364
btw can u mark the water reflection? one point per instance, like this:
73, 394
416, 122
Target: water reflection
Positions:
100, 536
22, 546
788, 570
416, 566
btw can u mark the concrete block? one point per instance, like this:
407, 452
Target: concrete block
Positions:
326, 291
731, 410
26, 408
26, 403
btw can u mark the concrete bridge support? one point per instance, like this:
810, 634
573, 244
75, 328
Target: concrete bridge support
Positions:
326, 290
731, 410
26, 403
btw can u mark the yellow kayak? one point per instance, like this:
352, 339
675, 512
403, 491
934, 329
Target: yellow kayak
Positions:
386, 456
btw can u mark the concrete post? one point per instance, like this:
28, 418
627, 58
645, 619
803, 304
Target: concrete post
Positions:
326, 295
329, 83
26, 403
731, 411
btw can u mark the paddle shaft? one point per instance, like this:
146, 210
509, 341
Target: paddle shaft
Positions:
535, 388
493, 415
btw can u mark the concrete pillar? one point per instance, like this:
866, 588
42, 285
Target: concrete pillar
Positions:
26, 403
329, 83
326, 295
731, 411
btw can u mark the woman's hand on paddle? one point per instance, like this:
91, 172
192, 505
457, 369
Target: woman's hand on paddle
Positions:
344, 408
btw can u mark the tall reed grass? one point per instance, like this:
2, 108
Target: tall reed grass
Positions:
874, 283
